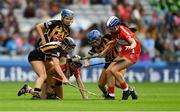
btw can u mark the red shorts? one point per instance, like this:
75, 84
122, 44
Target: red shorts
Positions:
132, 55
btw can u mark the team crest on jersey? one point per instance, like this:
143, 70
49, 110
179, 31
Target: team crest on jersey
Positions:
58, 54
57, 29
50, 23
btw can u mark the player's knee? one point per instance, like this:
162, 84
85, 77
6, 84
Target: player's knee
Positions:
109, 76
116, 72
100, 85
113, 71
44, 77
108, 71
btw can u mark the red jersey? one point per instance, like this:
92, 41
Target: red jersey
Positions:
76, 73
122, 35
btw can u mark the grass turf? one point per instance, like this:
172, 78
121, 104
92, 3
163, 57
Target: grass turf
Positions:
152, 97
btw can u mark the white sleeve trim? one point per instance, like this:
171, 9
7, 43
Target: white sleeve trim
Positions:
124, 30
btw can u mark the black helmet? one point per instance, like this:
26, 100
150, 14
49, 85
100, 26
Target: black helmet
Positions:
68, 44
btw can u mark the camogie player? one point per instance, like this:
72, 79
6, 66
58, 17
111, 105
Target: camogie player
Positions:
39, 58
99, 43
53, 88
55, 30
71, 68
129, 53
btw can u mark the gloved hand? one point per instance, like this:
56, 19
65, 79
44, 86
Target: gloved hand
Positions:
65, 81
100, 55
95, 55
86, 63
76, 58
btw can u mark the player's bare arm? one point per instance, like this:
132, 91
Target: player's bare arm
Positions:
110, 44
81, 85
59, 70
86, 62
132, 44
40, 29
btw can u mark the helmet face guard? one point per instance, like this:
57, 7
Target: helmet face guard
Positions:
113, 29
68, 44
94, 37
67, 48
95, 42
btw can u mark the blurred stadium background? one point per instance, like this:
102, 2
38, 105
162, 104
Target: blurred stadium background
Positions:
157, 21
158, 24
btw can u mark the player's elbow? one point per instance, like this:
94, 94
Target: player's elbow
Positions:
44, 77
39, 26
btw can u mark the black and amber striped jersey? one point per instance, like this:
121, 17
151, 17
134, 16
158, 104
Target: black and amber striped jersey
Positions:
55, 30
52, 49
111, 53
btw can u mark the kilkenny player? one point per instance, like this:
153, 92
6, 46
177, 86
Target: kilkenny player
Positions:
39, 57
99, 43
53, 88
55, 30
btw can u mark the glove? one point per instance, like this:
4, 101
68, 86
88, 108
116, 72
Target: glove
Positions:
65, 81
95, 55
76, 58
98, 55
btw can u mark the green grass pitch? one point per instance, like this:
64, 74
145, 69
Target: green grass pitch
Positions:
152, 97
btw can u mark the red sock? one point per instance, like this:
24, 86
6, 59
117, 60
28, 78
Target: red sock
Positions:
124, 86
111, 90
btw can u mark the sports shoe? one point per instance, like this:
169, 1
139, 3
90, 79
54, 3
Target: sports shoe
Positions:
22, 90
125, 95
51, 96
108, 97
36, 96
133, 93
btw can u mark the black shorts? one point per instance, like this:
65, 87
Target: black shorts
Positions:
36, 55
108, 62
106, 65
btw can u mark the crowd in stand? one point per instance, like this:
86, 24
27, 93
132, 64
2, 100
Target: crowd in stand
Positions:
158, 32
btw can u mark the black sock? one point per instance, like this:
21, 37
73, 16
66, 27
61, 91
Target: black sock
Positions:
58, 84
105, 92
37, 89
